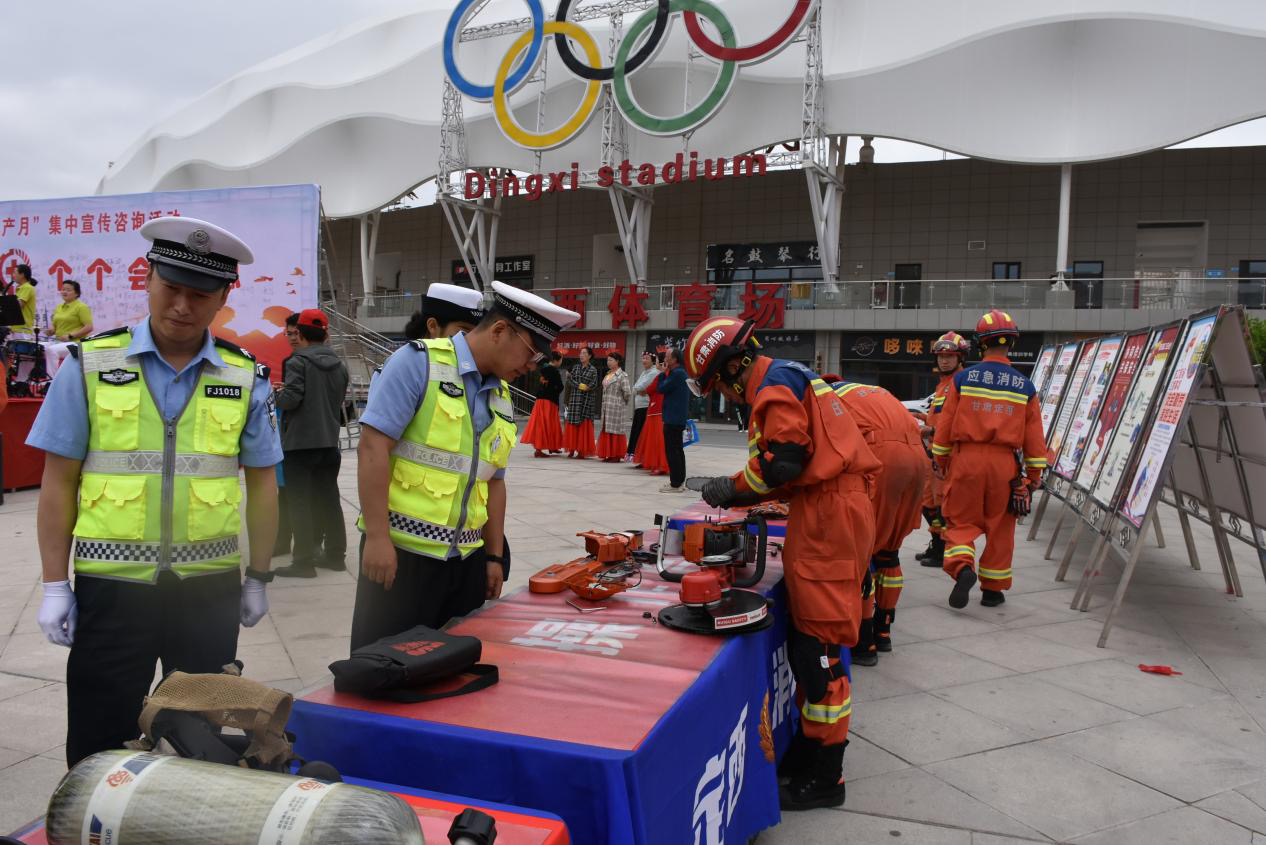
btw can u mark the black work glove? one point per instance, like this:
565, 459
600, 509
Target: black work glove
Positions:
1021, 500
719, 492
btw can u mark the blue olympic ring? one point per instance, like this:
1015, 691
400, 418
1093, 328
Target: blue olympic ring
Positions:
479, 92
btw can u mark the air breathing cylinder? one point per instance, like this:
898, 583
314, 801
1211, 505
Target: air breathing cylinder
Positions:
141, 797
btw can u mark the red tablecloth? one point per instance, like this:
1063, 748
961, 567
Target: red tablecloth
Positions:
23, 466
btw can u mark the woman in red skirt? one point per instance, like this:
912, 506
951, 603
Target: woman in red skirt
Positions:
615, 411
650, 452
543, 430
580, 407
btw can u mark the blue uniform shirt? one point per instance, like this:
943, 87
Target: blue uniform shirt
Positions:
62, 424
399, 390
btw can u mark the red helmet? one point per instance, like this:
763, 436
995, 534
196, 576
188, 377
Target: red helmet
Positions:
952, 343
711, 344
996, 328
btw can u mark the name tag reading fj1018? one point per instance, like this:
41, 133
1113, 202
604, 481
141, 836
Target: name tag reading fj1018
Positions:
223, 391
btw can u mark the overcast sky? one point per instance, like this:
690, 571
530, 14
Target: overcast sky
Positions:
85, 79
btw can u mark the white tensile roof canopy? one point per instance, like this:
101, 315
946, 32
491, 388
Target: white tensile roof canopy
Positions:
1029, 81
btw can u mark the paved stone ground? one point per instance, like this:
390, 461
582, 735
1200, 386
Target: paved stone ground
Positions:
1003, 725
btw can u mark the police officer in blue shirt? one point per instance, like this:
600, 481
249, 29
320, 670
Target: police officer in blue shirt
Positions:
436, 434
144, 431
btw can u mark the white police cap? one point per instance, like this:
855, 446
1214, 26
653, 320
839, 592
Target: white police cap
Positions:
446, 302
195, 253
543, 319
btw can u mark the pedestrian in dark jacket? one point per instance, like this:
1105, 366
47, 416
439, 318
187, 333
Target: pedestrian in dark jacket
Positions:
674, 388
543, 429
312, 399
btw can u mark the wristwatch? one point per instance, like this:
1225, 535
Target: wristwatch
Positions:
263, 577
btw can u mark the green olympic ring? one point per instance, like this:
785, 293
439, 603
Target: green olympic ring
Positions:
659, 126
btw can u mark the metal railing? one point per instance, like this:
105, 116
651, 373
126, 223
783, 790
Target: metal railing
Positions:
1185, 291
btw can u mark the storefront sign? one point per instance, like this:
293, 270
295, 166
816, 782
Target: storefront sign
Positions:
601, 343
912, 346
768, 255
507, 269
800, 347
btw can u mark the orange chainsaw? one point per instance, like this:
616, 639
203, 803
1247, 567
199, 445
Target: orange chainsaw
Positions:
606, 570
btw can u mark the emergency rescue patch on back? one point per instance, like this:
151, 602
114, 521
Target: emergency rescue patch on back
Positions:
118, 376
451, 390
217, 390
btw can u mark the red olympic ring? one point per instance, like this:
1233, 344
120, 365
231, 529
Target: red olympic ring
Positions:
750, 52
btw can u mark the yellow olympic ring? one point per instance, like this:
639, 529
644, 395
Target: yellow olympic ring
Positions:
514, 132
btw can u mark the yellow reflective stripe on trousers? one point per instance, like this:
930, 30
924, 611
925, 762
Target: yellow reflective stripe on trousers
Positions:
1036, 462
958, 551
890, 582
995, 574
151, 463
828, 714
940, 450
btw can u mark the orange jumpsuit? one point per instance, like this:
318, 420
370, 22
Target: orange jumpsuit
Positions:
933, 493
830, 532
892, 434
990, 413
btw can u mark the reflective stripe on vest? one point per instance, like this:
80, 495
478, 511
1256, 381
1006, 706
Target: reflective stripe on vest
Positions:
151, 463
439, 470
155, 493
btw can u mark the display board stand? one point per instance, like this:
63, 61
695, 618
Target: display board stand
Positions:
1201, 470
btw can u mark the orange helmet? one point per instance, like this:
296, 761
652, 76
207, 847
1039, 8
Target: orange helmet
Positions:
952, 343
996, 328
711, 344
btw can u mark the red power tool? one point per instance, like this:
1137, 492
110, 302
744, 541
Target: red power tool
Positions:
713, 600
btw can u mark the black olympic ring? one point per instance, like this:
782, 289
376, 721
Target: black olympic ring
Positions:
641, 56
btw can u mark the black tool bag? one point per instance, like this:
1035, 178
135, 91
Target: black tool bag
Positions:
395, 667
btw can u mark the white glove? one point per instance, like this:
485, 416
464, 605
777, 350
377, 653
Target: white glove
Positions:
254, 604
58, 613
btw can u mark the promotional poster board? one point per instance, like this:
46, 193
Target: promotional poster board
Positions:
1088, 406
1163, 433
1135, 415
1041, 371
96, 241
1069, 405
1057, 383
1110, 413
1223, 462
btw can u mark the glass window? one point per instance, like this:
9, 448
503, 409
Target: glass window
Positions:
1006, 270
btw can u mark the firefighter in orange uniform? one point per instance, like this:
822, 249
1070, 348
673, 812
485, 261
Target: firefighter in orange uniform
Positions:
894, 435
991, 414
951, 351
804, 446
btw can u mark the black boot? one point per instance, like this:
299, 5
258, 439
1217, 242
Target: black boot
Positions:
992, 598
865, 652
936, 557
821, 786
882, 628
927, 552
962, 588
797, 759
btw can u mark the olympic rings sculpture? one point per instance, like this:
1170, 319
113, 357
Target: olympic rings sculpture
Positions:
516, 66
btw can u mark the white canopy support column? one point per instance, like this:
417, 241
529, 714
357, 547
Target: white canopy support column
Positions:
369, 226
822, 160
1065, 215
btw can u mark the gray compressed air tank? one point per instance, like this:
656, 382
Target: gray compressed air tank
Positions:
121, 797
